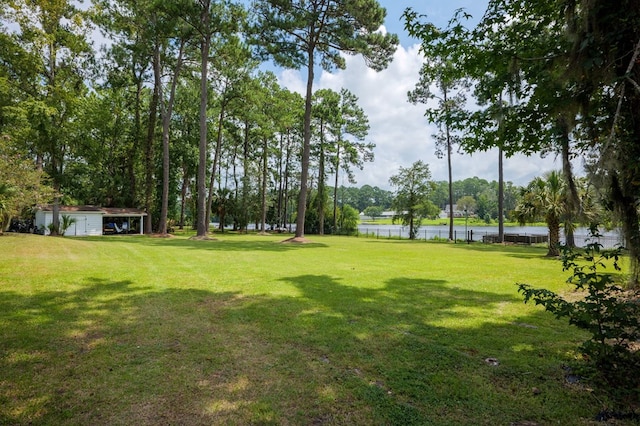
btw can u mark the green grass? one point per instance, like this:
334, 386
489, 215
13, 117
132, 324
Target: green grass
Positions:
246, 330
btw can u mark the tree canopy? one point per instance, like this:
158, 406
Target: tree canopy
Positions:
298, 33
554, 76
411, 203
176, 117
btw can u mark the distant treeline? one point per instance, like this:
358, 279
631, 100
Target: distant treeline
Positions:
483, 192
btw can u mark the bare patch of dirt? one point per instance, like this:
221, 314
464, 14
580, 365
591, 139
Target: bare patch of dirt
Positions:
202, 238
160, 235
297, 240
170, 409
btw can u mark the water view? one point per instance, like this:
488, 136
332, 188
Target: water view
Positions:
480, 233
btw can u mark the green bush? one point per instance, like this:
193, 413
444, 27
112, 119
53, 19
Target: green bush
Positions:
65, 223
349, 219
610, 314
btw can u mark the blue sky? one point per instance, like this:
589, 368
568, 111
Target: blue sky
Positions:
438, 12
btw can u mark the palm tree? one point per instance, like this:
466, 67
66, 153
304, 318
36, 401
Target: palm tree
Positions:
66, 223
584, 208
545, 198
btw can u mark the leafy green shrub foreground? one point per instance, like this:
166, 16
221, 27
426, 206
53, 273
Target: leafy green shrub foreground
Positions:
607, 312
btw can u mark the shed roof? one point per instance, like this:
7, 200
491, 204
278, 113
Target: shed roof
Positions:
122, 211
105, 211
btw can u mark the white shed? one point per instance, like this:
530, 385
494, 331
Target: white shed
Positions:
92, 220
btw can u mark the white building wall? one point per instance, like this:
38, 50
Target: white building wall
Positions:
94, 224
43, 219
87, 223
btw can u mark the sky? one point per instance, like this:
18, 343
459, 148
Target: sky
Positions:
399, 129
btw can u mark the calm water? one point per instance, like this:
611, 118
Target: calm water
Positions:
610, 239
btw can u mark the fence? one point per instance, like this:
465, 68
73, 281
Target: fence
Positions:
488, 236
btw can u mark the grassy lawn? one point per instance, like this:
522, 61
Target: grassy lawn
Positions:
245, 330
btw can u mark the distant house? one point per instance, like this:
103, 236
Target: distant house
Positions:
384, 215
92, 220
456, 212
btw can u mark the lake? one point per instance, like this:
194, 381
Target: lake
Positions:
609, 239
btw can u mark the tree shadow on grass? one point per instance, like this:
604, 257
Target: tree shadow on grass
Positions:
404, 351
517, 251
511, 250
105, 353
221, 244
108, 352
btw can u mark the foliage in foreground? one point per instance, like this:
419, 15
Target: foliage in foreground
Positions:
609, 314
21, 185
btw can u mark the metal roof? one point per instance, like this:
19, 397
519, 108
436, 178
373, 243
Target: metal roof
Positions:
105, 211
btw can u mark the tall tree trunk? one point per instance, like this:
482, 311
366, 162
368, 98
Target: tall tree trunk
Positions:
263, 199
55, 231
501, 170
554, 236
216, 159
306, 148
625, 204
135, 142
183, 196
450, 186
411, 233
245, 178
149, 147
335, 189
222, 213
205, 44
321, 186
573, 199
279, 214
166, 121
500, 196
449, 168
285, 221
54, 164
236, 183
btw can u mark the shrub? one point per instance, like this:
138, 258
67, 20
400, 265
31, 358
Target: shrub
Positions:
349, 219
606, 311
65, 223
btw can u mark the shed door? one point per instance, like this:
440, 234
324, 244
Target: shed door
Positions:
79, 227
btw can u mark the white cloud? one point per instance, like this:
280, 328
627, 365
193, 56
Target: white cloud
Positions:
291, 79
401, 132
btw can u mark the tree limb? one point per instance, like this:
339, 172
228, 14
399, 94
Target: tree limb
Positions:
634, 83
634, 57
